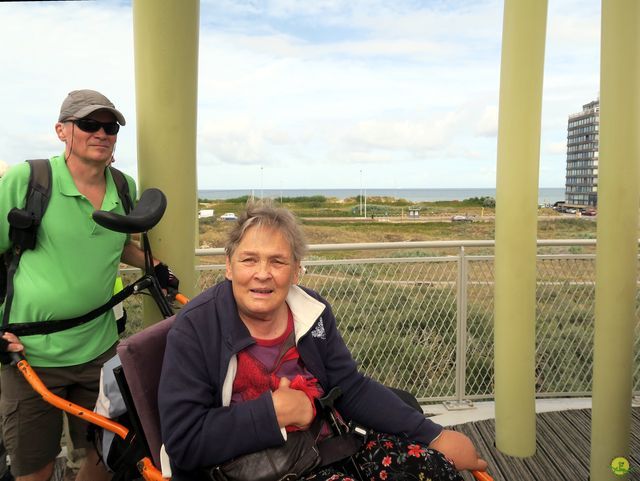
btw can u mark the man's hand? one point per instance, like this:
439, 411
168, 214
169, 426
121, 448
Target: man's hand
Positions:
292, 406
166, 278
9, 343
459, 449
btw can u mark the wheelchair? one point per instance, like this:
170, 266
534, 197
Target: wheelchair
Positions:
141, 355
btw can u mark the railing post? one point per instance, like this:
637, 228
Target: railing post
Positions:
461, 336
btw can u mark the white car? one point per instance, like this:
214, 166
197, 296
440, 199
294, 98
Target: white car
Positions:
229, 216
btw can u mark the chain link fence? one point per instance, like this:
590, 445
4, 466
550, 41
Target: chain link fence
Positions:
425, 323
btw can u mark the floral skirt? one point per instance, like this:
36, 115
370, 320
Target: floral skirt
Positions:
391, 458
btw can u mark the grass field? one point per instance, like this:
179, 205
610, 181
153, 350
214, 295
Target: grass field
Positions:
330, 221
396, 316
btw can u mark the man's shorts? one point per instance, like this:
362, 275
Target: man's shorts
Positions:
31, 427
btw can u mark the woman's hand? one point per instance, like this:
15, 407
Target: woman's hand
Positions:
292, 406
459, 449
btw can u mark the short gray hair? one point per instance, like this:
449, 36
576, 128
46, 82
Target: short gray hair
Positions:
264, 213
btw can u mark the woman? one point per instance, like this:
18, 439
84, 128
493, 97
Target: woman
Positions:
230, 385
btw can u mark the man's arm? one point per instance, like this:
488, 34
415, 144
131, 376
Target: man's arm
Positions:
134, 256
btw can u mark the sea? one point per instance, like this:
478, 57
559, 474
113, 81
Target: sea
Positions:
546, 195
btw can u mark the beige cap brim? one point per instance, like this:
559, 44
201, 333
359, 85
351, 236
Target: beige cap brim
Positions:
92, 108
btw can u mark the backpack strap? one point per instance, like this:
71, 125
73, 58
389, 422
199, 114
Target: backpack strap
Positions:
49, 327
123, 189
24, 223
39, 191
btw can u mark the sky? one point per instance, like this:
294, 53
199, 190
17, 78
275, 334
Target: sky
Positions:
308, 94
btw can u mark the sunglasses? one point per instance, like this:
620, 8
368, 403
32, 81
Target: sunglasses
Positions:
91, 126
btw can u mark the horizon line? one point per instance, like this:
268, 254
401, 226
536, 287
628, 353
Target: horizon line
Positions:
357, 188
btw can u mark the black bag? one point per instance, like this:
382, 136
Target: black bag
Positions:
299, 455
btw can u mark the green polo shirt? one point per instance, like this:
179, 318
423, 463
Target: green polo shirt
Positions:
71, 271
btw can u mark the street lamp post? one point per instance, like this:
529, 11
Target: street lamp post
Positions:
360, 196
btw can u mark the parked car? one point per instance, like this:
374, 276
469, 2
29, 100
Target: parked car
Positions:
590, 212
460, 218
229, 216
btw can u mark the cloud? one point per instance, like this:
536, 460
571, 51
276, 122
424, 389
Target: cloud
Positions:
239, 141
302, 85
556, 148
50, 49
487, 126
415, 136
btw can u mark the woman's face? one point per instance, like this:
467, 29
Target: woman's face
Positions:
261, 270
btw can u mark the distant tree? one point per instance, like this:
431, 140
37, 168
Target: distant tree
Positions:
317, 199
489, 202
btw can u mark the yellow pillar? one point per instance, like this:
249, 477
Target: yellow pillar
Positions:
166, 68
617, 249
523, 42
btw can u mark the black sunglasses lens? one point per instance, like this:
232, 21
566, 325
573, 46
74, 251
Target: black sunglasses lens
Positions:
87, 125
90, 125
111, 128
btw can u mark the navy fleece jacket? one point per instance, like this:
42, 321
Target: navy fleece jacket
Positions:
200, 429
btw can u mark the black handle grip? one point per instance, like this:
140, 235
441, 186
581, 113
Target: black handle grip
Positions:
16, 357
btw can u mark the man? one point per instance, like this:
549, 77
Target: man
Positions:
71, 271
5, 474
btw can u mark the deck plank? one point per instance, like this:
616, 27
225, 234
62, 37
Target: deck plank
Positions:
562, 448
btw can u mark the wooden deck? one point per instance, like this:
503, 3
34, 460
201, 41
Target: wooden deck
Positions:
562, 453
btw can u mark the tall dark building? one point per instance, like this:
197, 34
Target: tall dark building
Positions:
583, 133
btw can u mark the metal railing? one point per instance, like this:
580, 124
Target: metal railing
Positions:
421, 318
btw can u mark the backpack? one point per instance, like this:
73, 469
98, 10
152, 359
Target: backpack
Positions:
119, 456
24, 223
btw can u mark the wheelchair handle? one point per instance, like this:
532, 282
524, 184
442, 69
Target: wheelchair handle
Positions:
145, 215
16, 357
481, 476
182, 299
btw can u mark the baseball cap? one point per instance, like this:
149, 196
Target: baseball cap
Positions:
81, 103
